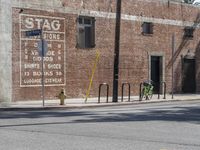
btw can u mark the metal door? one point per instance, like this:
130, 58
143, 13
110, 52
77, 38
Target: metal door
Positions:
189, 81
156, 72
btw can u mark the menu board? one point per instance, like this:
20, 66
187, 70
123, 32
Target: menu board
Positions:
53, 31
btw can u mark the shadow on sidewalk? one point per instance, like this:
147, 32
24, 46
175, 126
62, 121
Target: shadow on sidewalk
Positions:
175, 114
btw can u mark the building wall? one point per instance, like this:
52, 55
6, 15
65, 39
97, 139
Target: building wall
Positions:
5, 52
76, 64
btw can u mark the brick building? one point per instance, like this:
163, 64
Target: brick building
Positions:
76, 29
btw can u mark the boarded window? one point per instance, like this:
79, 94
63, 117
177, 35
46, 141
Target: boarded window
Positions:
147, 28
86, 32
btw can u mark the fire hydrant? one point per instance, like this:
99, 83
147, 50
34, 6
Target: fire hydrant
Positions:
62, 97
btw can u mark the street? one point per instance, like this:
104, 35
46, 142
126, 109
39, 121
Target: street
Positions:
153, 126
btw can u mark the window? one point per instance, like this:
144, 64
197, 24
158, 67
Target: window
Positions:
86, 32
147, 28
188, 32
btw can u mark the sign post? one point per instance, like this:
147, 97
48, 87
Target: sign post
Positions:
42, 40
173, 49
42, 48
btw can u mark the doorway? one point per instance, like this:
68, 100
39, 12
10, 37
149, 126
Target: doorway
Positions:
156, 72
188, 80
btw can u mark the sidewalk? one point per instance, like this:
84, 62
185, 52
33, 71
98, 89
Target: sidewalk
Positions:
93, 102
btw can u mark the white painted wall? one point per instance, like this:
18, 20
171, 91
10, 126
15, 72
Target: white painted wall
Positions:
5, 52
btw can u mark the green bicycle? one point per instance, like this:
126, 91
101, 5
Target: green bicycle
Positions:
147, 91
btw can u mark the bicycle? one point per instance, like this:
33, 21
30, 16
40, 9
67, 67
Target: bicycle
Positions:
147, 91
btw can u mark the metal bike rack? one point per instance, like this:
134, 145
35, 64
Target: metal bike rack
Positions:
140, 96
162, 83
129, 91
100, 91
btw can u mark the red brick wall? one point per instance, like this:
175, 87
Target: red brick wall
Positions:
134, 48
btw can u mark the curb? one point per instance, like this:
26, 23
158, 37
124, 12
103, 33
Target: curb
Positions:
40, 108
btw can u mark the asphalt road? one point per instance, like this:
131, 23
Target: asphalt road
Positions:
163, 126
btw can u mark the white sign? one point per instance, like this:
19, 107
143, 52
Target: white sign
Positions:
30, 57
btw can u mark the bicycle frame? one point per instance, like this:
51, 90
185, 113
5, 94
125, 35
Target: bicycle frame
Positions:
147, 91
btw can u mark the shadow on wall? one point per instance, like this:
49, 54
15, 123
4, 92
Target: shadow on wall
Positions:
178, 78
178, 72
197, 58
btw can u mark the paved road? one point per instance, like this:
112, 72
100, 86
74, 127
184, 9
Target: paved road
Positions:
163, 126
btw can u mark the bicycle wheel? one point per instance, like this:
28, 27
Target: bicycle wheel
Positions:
150, 93
142, 94
149, 96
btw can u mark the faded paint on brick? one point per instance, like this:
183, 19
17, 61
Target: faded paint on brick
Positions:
135, 48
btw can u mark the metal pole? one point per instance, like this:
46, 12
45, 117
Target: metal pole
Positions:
173, 48
116, 53
42, 41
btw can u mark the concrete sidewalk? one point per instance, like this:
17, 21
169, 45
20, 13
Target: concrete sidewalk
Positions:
93, 102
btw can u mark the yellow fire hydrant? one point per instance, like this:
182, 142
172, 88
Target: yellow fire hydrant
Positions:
62, 97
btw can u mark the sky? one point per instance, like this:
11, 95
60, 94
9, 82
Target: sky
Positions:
196, 1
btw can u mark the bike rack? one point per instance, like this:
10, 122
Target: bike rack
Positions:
100, 91
140, 96
162, 83
129, 91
